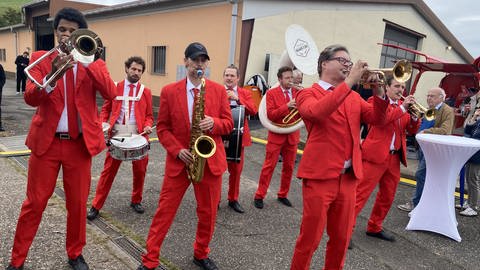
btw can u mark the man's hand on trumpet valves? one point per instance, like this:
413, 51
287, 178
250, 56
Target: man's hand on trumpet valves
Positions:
408, 101
356, 72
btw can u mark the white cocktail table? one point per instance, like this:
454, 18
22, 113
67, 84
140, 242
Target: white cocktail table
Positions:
444, 156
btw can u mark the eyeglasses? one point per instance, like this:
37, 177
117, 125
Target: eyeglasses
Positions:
343, 61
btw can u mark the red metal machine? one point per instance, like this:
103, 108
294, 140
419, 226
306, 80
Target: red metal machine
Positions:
460, 81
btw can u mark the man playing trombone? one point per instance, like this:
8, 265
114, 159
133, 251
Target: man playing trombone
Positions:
280, 103
382, 151
65, 132
331, 164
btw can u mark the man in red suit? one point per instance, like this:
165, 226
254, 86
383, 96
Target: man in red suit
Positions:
237, 96
173, 130
280, 101
382, 151
65, 132
331, 164
140, 120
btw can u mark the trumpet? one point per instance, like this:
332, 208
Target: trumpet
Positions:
83, 44
419, 111
401, 72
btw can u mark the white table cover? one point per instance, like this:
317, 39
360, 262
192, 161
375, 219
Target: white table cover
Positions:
444, 155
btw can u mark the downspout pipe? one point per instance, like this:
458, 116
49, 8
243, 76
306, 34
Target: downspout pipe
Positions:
233, 31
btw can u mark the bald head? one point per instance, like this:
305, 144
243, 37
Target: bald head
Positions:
435, 96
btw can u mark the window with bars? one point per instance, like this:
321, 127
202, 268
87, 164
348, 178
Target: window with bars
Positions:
3, 55
400, 37
159, 55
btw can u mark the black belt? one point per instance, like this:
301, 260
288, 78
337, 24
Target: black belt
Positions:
65, 135
393, 152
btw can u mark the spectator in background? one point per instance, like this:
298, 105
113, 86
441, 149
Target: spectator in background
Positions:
442, 125
2, 83
297, 79
472, 129
21, 62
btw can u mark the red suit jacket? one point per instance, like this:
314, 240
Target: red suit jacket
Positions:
245, 98
173, 126
277, 109
50, 105
322, 157
143, 108
376, 147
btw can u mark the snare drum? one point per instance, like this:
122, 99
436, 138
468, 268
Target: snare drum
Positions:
129, 148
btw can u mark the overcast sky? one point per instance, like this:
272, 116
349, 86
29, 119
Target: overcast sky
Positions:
462, 18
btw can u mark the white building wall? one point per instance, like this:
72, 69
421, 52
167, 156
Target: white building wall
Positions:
357, 26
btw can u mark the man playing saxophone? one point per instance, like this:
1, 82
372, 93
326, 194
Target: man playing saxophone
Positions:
177, 121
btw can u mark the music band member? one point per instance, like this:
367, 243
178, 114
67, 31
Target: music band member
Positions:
140, 120
382, 151
331, 164
280, 100
443, 124
65, 132
174, 130
237, 96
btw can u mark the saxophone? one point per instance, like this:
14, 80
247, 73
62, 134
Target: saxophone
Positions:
201, 146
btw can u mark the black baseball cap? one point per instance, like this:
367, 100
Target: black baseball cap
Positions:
196, 49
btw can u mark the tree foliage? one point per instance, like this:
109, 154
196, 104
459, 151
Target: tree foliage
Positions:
10, 16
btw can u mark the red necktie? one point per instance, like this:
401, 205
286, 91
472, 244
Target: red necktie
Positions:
397, 144
195, 92
287, 97
130, 94
71, 107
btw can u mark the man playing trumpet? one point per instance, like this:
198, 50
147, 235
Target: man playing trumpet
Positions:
382, 151
331, 164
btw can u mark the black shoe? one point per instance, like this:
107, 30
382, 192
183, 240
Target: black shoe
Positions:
1, 129
143, 267
382, 235
206, 264
138, 207
285, 201
92, 213
236, 206
78, 263
350, 244
11, 267
258, 203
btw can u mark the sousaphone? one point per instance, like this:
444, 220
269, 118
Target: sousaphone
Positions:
302, 53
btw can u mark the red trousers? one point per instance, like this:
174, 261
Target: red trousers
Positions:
235, 170
207, 194
271, 157
75, 160
108, 174
329, 202
387, 176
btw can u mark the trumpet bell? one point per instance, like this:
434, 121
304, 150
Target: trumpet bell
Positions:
401, 72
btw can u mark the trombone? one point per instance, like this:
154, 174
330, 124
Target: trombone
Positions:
83, 44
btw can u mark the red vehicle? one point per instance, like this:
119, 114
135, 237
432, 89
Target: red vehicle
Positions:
461, 80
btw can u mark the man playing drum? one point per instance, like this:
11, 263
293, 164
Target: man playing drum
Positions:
237, 96
129, 114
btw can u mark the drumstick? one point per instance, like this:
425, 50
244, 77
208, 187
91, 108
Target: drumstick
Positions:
143, 133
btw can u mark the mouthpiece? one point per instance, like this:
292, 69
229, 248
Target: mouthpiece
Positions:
199, 72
